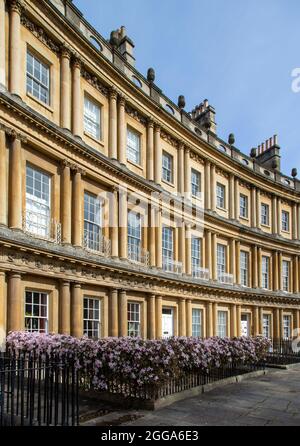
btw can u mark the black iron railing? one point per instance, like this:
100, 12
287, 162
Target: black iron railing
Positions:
283, 352
38, 391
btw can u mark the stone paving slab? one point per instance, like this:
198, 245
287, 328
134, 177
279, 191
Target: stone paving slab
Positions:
271, 400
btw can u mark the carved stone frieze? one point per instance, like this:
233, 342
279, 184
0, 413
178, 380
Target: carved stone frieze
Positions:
40, 34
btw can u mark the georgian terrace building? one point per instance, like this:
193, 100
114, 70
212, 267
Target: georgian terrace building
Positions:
77, 120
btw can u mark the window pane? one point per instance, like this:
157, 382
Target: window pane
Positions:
91, 317
167, 167
37, 78
36, 316
92, 118
133, 146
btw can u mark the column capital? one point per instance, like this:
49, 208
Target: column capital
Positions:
77, 61
76, 169
181, 145
122, 99
65, 51
157, 127
14, 134
113, 92
76, 285
150, 122
17, 6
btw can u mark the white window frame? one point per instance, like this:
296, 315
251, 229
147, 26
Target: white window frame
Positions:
221, 260
244, 209
134, 319
265, 214
38, 202
244, 268
285, 271
30, 318
92, 118
196, 253
221, 196
92, 226
267, 325
91, 323
197, 323
265, 272
222, 324
32, 80
285, 221
287, 326
134, 235
195, 183
167, 167
133, 146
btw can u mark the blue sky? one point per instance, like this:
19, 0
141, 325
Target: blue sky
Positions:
237, 54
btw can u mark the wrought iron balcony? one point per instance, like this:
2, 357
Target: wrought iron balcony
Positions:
40, 226
200, 273
136, 254
96, 243
226, 278
171, 266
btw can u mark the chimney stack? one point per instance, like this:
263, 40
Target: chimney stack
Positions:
204, 115
268, 153
125, 45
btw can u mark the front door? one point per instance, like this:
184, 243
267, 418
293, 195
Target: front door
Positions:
245, 325
167, 323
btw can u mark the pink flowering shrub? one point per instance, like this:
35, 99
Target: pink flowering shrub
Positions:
138, 361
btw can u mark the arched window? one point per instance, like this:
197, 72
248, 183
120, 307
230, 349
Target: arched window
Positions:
222, 148
137, 82
169, 109
245, 162
96, 43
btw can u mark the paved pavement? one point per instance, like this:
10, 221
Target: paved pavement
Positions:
270, 400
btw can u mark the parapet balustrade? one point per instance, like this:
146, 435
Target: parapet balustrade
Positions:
96, 243
171, 266
136, 254
226, 278
39, 225
200, 273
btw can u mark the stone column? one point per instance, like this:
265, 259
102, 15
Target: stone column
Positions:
182, 318
238, 320
76, 311
15, 69
158, 317
214, 256
276, 325
210, 323
281, 322
275, 271
77, 115
298, 221
233, 316
232, 259
157, 155
189, 318
15, 185
77, 209
151, 316
236, 199
296, 320
215, 319
123, 242
15, 310
256, 321
254, 267
259, 267
158, 231
274, 214
65, 97
180, 169
296, 275
213, 186
207, 200
258, 209
187, 173
114, 223
208, 253
114, 313
150, 150
2, 44
122, 131
3, 177
188, 250
182, 254
280, 271
123, 329
65, 308
294, 222
112, 140
238, 262
260, 312
253, 207
151, 238
231, 197
279, 211
3, 309
66, 207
